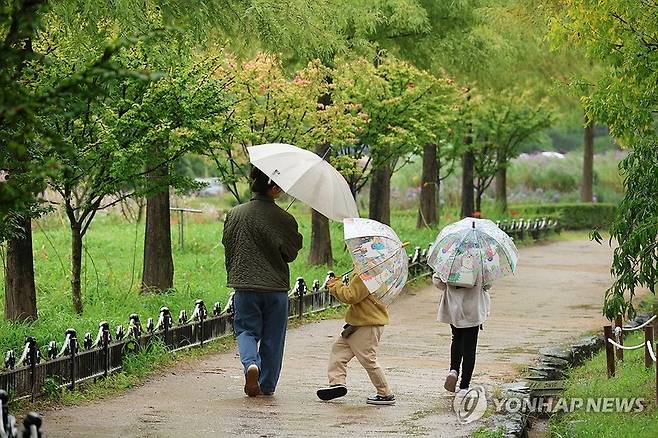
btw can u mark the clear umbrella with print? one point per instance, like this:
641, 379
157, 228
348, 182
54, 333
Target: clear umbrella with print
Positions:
379, 257
470, 247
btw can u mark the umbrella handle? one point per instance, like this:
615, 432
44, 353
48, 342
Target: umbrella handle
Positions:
345, 273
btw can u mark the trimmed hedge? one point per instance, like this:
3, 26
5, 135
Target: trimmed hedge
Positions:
583, 216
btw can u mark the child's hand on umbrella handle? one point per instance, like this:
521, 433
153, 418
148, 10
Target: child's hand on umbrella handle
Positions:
332, 281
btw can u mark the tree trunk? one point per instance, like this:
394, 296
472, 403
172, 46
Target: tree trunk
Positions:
158, 271
501, 187
438, 191
467, 180
380, 195
427, 212
586, 190
20, 292
478, 200
320, 252
76, 267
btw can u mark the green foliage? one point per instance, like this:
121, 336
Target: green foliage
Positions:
571, 216
632, 380
270, 107
484, 432
499, 124
50, 388
621, 34
405, 109
29, 145
531, 180
558, 180
618, 33
635, 227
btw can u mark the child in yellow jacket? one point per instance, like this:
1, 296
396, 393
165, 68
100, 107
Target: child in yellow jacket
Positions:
365, 318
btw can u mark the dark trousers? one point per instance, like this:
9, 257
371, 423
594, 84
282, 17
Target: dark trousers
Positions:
260, 323
462, 352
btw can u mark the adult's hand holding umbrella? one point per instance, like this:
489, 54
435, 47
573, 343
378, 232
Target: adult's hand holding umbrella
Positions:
307, 177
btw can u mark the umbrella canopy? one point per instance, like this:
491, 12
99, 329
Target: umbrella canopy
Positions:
472, 245
307, 177
379, 257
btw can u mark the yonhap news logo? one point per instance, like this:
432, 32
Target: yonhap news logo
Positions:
472, 405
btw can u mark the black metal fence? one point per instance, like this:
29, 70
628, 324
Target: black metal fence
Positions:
535, 228
77, 361
92, 358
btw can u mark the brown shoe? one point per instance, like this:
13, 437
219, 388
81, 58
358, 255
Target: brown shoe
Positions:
451, 381
251, 385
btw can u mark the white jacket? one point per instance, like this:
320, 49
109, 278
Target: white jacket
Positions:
463, 307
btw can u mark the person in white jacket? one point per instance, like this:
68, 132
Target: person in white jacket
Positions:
465, 309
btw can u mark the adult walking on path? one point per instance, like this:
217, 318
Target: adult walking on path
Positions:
260, 239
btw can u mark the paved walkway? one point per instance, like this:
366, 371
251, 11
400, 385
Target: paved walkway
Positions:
555, 297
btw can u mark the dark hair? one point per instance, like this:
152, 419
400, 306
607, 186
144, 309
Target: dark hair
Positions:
260, 182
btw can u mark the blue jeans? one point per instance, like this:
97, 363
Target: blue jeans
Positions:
261, 317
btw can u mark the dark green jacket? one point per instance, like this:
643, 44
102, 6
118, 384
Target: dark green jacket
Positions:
260, 239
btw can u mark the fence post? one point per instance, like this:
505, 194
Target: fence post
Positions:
200, 314
609, 350
655, 321
4, 410
32, 354
648, 337
619, 322
300, 290
73, 346
330, 276
87, 341
164, 322
656, 368
317, 297
32, 424
105, 342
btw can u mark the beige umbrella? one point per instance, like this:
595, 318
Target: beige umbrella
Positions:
307, 177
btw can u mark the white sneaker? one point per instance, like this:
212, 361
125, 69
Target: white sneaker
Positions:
450, 384
251, 386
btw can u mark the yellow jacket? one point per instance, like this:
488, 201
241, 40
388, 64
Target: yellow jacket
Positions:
364, 308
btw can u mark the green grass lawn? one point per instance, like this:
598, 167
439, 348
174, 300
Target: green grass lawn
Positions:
631, 380
112, 267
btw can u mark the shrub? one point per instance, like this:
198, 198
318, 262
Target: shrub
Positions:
578, 216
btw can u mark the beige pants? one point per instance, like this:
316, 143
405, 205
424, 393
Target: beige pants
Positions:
362, 344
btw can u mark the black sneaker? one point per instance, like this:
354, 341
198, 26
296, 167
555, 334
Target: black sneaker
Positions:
388, 400
331, 392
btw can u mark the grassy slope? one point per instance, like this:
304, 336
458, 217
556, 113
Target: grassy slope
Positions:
632, 380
